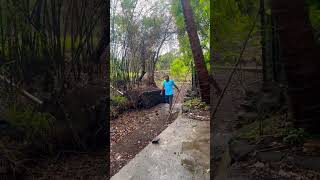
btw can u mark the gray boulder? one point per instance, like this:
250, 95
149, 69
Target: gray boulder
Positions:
270, 156
239, 150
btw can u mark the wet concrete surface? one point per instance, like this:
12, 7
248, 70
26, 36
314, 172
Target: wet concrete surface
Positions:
183, 152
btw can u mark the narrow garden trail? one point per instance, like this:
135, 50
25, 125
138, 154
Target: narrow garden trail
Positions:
132, 131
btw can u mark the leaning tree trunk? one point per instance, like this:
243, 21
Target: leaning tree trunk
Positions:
201, 68
301, 58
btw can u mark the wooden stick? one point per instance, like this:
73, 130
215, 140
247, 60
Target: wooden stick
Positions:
116, 90
23, 92
273, 148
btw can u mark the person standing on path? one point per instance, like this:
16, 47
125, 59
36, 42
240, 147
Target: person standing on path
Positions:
167, 87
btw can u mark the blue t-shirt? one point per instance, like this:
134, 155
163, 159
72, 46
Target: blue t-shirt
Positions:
168, 87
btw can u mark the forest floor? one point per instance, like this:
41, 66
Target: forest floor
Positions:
270, 163
132, 131
74, 165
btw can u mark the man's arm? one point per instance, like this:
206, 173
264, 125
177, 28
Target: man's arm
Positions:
162, 89
174, 84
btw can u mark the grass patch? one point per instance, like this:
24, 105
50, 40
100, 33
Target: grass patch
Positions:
118, 100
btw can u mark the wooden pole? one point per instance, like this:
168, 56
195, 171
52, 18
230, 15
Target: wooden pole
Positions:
23, 92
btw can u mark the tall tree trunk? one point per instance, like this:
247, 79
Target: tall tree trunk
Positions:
103, 58
101, 52
273, 50
300, 55
263, 39
201, 68
143, 61
150, 79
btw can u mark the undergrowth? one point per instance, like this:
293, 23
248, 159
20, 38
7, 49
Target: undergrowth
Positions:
273, 126
118, 100
295, 136
117, 104
37, 127
196, 103
269, 126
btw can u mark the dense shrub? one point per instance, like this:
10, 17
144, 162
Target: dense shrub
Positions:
117, 105
196, 103
37, 127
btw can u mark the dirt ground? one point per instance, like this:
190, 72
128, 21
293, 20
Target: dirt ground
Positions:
75, 165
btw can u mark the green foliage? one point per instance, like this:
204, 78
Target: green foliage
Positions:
178, 69
273, 127
314, 14
34, 31
165, 60
136, 36
118, 101
295, 136
231, 21
37, 126
270, 126
201, 12
196, 103
117, 104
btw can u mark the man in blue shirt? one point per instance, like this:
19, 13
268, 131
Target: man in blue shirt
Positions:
167, 87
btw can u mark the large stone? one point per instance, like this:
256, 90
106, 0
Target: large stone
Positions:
220, 144
268, 102
239, 150
247, 117
272, 98
308, 162
247, 106
185, 109
270, 156
191, 94
149, 99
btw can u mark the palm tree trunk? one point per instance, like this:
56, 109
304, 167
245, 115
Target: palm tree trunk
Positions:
201, 68
301, 60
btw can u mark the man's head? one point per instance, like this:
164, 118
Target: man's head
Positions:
166, 77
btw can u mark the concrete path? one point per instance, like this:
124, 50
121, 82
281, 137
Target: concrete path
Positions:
182, 153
